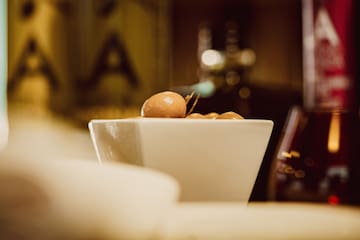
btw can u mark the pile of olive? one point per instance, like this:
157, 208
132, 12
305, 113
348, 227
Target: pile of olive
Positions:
172, 105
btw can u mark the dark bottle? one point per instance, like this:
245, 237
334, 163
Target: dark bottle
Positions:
315, 152
313, 158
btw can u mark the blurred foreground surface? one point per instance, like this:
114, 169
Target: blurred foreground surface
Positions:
37, 133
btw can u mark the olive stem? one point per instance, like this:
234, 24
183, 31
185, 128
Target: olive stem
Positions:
187, 100
189, 97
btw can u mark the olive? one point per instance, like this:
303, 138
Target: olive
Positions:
229, 115
212, 115
196, 116
164, 104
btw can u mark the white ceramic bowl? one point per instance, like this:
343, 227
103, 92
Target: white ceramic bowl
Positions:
213, 160
81, 199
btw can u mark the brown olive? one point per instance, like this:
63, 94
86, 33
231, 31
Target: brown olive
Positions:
212, 115
196, 116
229, 115
164, 104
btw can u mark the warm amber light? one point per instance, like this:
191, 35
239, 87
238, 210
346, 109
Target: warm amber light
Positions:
246, 57
212, 58
334, 133
286, 154
291, 154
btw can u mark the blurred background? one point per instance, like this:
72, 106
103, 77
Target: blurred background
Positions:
70, 61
